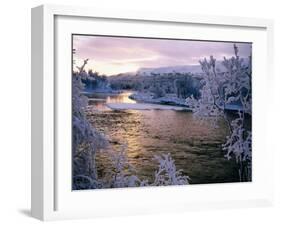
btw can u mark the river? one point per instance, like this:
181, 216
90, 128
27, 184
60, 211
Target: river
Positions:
195, 146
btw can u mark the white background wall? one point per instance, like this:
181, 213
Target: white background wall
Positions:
15, 112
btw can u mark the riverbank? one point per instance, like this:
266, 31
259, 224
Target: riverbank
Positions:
173, 100
143, 106
128, 100
169, 99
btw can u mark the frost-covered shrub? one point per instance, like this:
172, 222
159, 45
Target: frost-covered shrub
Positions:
85, 139
167, 174
81, 182
121, 174
221, 89
239, 145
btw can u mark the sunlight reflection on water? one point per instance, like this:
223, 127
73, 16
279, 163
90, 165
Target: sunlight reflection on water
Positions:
195, 147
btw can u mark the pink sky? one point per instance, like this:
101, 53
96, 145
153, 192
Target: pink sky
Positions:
113, 55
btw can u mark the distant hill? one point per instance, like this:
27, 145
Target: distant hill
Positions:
193, 69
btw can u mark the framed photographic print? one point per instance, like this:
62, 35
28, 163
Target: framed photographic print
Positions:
136, 112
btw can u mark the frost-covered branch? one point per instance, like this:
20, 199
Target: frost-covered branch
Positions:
86, 141
81, 69
167, 174
233, 86
120, 174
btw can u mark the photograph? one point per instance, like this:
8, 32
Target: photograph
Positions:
150, 111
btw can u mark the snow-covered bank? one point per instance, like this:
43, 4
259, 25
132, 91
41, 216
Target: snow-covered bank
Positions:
143, 106
168, 100
173, 101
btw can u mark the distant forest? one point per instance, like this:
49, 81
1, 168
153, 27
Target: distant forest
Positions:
183, 85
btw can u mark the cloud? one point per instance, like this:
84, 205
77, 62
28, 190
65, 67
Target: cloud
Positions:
145, 52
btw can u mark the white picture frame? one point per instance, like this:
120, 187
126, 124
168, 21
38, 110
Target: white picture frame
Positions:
47, 167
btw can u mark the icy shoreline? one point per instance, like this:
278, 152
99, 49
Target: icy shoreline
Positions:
145, 101
173, 101
167, 100
143, 106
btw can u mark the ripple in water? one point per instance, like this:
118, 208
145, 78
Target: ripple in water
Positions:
195, 147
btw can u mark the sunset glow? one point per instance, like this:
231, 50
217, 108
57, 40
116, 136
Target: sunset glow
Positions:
114, 55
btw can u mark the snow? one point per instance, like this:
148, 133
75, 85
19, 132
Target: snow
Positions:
236, 83
143, 106
148, 98
172, 69
96, 99
194, 69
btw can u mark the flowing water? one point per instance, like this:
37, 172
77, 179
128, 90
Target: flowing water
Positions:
195, 146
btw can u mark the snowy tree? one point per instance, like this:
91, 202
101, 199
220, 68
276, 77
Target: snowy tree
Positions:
187, 86
157, 90
221, 89
86, 141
